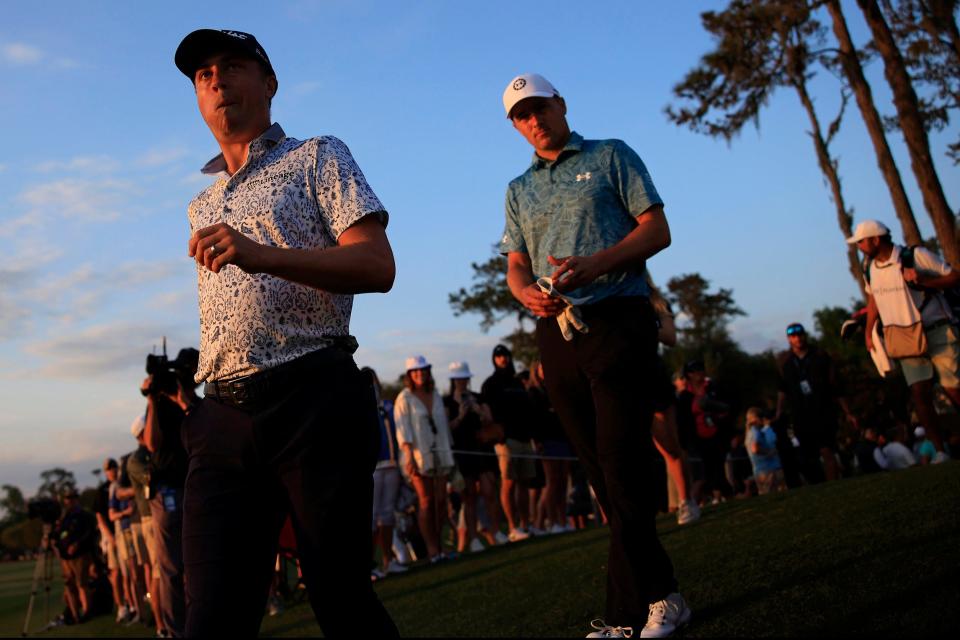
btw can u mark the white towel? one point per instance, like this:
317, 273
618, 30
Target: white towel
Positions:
570, 319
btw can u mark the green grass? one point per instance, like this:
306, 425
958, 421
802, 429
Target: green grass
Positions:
864, 557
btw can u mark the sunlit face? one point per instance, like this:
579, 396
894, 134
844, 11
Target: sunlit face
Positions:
543, 122
869, 246
419, 377
233, 94
111, 474
461, 384
501, 361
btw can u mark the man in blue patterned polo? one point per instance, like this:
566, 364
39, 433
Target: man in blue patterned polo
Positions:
580, 224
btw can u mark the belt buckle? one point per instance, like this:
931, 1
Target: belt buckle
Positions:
238, 391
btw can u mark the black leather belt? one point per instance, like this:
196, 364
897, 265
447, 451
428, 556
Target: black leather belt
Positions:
253, 391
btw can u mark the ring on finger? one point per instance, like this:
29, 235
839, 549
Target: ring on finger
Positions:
213, 249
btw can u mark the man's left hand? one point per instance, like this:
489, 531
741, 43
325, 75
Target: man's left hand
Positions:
574, 272
218, 245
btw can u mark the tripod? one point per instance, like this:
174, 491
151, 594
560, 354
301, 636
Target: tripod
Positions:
43, 570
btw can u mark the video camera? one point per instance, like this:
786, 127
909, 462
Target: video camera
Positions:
46, 509
166, 372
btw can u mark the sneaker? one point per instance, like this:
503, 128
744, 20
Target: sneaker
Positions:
396, 567
666, 616
500, 538
557, 529
122, 613
377, 574
274, 606
605, 631
133, 619
688, 512
476, 546
516, 535
940, 458
437, 559
536, 531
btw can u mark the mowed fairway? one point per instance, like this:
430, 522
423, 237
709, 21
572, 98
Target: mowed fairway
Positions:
863, 557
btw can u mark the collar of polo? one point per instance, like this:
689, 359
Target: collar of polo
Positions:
574, 145
266, 140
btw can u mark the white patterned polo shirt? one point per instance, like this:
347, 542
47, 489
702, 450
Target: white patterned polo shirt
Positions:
299, 194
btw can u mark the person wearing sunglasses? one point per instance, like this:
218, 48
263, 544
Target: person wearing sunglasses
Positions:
425, 443
812, 392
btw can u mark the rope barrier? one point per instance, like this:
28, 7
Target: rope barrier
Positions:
534, 456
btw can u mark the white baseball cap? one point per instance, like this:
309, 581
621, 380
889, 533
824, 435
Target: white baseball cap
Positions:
417, 362
138, 425
527, 85
920, 432
868, 229
459, 371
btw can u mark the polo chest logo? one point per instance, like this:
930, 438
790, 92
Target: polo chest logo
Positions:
583, 177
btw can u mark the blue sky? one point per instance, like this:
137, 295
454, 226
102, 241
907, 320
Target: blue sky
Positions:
103, 144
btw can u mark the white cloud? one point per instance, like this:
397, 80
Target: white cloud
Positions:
159, 157
98, 200
304, 88
102, 349
85, 164
21, 54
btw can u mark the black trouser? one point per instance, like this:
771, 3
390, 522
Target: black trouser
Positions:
308, 449
168, 535
603, 385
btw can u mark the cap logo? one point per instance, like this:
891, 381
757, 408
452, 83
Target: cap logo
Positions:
234, 34
519, 83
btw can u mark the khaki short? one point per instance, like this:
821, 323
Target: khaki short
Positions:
76, 571
149, 538
139, 543
110, 553
512, 467
942, 357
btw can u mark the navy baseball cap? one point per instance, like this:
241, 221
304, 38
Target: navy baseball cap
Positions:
200, 44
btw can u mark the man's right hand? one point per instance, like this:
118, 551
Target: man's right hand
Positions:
539, 303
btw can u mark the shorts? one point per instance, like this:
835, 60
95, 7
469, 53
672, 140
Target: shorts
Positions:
513, 467
76, 571
149, 538
386, 486
942, 357
110, 553
124, 549
138, 543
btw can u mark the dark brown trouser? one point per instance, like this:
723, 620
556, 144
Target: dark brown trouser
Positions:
308, 449
603, 385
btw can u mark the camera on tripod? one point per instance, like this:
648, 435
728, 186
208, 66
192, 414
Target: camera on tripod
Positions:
46, 510
167, 372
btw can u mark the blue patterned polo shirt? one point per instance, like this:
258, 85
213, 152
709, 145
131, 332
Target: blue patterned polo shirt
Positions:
584, 202
298, 194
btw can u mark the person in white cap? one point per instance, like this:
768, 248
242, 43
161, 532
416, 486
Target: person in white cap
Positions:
904, 287
426, 447
586, 215
473, 430
922, 447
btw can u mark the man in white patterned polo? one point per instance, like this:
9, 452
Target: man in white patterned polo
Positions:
283, 238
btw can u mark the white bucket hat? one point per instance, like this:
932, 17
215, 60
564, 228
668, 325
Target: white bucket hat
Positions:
417, 362
459, 371
527, 85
